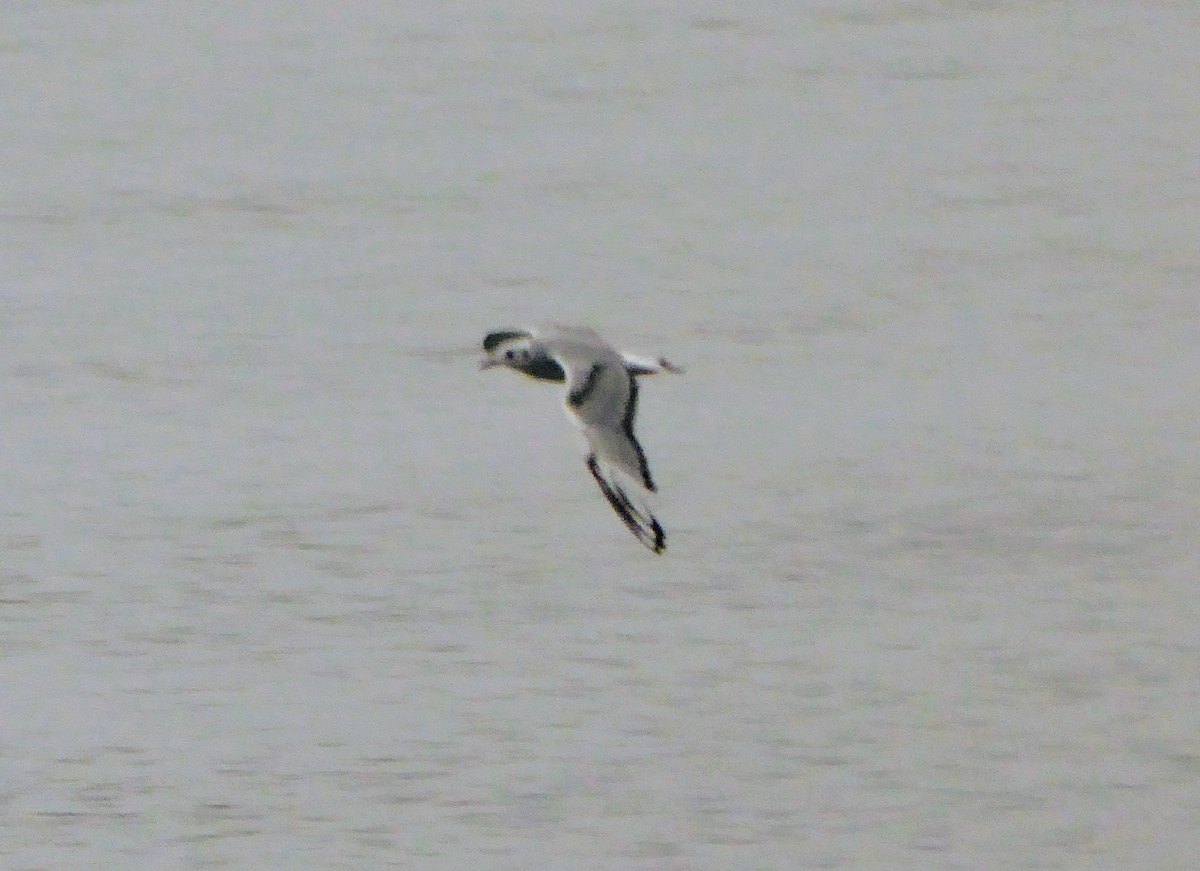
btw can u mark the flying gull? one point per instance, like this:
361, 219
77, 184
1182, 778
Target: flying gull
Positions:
602, 391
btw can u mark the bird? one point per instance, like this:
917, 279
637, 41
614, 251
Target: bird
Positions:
601, 400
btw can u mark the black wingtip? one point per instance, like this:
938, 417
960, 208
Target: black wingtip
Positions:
660, 537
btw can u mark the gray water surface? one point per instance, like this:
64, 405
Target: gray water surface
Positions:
286, 583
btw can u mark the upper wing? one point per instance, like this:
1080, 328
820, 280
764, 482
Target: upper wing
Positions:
615, 458
603, 401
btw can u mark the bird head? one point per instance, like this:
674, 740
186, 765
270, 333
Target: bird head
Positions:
514, 353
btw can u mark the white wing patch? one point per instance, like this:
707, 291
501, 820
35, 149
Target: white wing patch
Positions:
633, 512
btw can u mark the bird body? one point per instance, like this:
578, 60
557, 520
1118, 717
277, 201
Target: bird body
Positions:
601, 399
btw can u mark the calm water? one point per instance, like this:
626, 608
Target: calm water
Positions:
287, 583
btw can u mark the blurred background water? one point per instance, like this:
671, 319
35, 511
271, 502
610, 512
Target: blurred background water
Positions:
287, 583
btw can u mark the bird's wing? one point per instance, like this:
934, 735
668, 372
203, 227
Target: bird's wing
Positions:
566, 334
613, 441
601, 398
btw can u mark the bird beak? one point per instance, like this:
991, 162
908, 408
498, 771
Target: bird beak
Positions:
488, 363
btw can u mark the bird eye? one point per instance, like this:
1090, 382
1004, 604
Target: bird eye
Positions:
509, 354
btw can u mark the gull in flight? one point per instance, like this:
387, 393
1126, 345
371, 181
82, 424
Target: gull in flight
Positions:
601, 400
